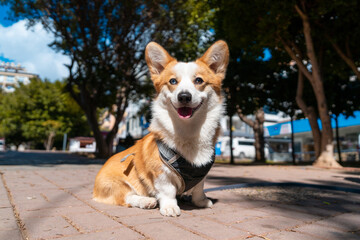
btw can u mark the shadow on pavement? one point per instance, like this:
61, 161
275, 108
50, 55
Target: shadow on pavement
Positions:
42, 158
337, 212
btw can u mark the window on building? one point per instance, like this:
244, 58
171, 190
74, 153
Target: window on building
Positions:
10, 79
10, 88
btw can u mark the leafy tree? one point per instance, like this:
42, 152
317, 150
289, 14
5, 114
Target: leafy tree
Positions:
307, 31
11, 119
38, 112
105, 42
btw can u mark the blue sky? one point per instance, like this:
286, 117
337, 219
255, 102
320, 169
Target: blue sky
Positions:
3, 16
4, 22
29, 48
267, 55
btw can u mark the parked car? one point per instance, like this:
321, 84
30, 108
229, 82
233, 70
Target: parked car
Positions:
2, 144
242, 148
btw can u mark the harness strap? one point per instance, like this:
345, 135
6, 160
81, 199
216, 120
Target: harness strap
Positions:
168, 156
124, 158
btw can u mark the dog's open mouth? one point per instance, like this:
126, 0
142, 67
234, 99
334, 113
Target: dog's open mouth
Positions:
187, 112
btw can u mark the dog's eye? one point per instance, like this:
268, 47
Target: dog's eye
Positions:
173, 81
198, 80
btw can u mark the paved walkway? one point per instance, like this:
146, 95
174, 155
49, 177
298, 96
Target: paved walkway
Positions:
54, 202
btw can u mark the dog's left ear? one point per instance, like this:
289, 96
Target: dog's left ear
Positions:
217, 57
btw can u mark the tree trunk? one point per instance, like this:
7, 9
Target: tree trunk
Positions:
292, 141
102, 148
50, 141
231, 140
337, 138
259, 136
310, 113
121, 105
326, 158
258, 127
86, 102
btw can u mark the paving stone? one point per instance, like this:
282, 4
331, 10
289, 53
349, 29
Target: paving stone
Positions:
119, 211
4, 204
290, 211
288, 235
349, 222
325, 232
166, 231
4, 200
92, 222
50, 195
7, 219
113, 234
237, 201
84, 193
10, 235
237, 215
56, 211
48, 227
322, 211
210, 228
267, 225
254, 238
26, 181
144, 219
38, 203
3, 192
217, 208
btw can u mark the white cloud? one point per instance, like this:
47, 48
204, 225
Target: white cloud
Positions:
30, 49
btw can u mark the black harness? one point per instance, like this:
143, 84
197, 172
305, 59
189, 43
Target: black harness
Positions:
189, 174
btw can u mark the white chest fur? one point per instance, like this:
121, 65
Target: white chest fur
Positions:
192, 138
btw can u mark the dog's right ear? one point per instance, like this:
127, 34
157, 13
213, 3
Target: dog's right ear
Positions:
157, 58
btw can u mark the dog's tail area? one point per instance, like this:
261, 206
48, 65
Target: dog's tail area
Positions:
120, 193
110, 191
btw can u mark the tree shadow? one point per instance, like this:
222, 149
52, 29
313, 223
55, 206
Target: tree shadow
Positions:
332, 209
44, 159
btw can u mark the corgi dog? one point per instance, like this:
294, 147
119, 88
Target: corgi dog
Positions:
179, 150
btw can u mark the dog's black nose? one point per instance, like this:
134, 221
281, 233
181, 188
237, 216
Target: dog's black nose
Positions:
184, 97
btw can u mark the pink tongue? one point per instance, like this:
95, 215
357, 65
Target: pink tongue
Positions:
184, 112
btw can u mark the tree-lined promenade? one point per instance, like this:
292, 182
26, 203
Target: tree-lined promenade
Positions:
312, 67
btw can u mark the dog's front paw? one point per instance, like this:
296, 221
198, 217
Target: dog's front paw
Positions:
204, 203
170, 211
147, 203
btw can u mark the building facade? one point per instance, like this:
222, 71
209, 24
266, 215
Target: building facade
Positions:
11, 76
348, 130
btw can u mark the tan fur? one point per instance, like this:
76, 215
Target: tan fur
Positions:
138, 173
112, 181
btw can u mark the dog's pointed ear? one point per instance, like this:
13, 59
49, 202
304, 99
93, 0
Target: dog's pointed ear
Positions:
157, 58
217, 57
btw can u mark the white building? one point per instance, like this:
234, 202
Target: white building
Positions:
82, 144
241, 129
12, 75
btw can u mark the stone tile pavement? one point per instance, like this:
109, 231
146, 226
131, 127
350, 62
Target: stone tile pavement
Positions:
54, 202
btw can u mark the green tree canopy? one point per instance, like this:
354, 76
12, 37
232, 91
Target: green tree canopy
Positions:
38, 112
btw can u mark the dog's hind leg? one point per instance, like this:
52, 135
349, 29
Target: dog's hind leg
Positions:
111, 192
140, 201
